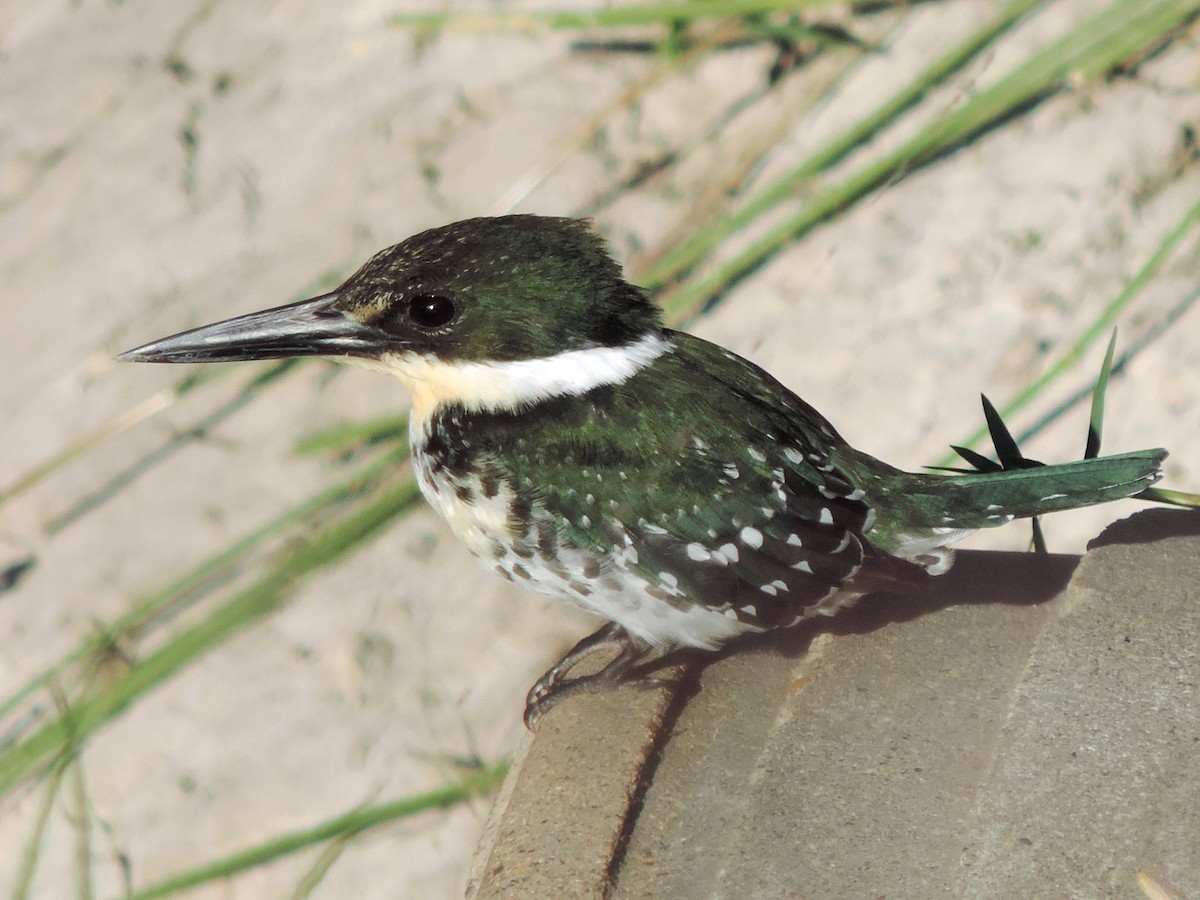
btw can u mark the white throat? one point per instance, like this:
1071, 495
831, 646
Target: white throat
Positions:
513, 384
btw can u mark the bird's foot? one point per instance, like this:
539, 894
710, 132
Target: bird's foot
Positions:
554, 685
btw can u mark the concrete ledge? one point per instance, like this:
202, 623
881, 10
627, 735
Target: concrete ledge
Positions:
1031, 730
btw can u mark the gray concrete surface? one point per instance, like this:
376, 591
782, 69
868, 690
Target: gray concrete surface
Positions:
1017, 735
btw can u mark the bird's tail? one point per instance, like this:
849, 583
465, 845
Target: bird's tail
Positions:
993, 498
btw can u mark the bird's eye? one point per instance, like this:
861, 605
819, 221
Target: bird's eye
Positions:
431, 310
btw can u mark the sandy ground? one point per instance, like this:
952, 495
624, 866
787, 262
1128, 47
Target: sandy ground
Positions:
163, 164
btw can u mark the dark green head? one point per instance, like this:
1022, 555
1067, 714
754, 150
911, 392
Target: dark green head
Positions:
509, 288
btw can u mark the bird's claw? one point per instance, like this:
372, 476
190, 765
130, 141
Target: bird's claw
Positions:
554, 685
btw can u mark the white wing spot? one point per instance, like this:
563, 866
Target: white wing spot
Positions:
751, 537
826, 517
698, 552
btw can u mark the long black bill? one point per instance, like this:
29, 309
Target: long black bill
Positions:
308, 328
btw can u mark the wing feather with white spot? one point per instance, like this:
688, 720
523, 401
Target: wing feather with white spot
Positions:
773, 550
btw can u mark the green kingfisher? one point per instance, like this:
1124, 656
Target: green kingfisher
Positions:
662, 482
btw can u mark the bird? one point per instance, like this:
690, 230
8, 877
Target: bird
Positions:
585, 450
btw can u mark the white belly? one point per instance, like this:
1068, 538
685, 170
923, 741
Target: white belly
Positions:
608, 586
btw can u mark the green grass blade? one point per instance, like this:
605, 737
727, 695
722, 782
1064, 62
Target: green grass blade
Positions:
81, 820
1145, 340
691, 251
1037, 542
978, 460
353, 435
152, 406
33, 847
1007, 450
1172, 498
1115, 34
1010, 456
1072, 355
85, 715
83, 445
347, 825
331, 853
239, 401
1096, 421
207, 574
643, 14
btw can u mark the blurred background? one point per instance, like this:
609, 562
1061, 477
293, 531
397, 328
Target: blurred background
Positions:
225, 617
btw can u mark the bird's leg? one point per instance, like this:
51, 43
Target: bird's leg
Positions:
552, 687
